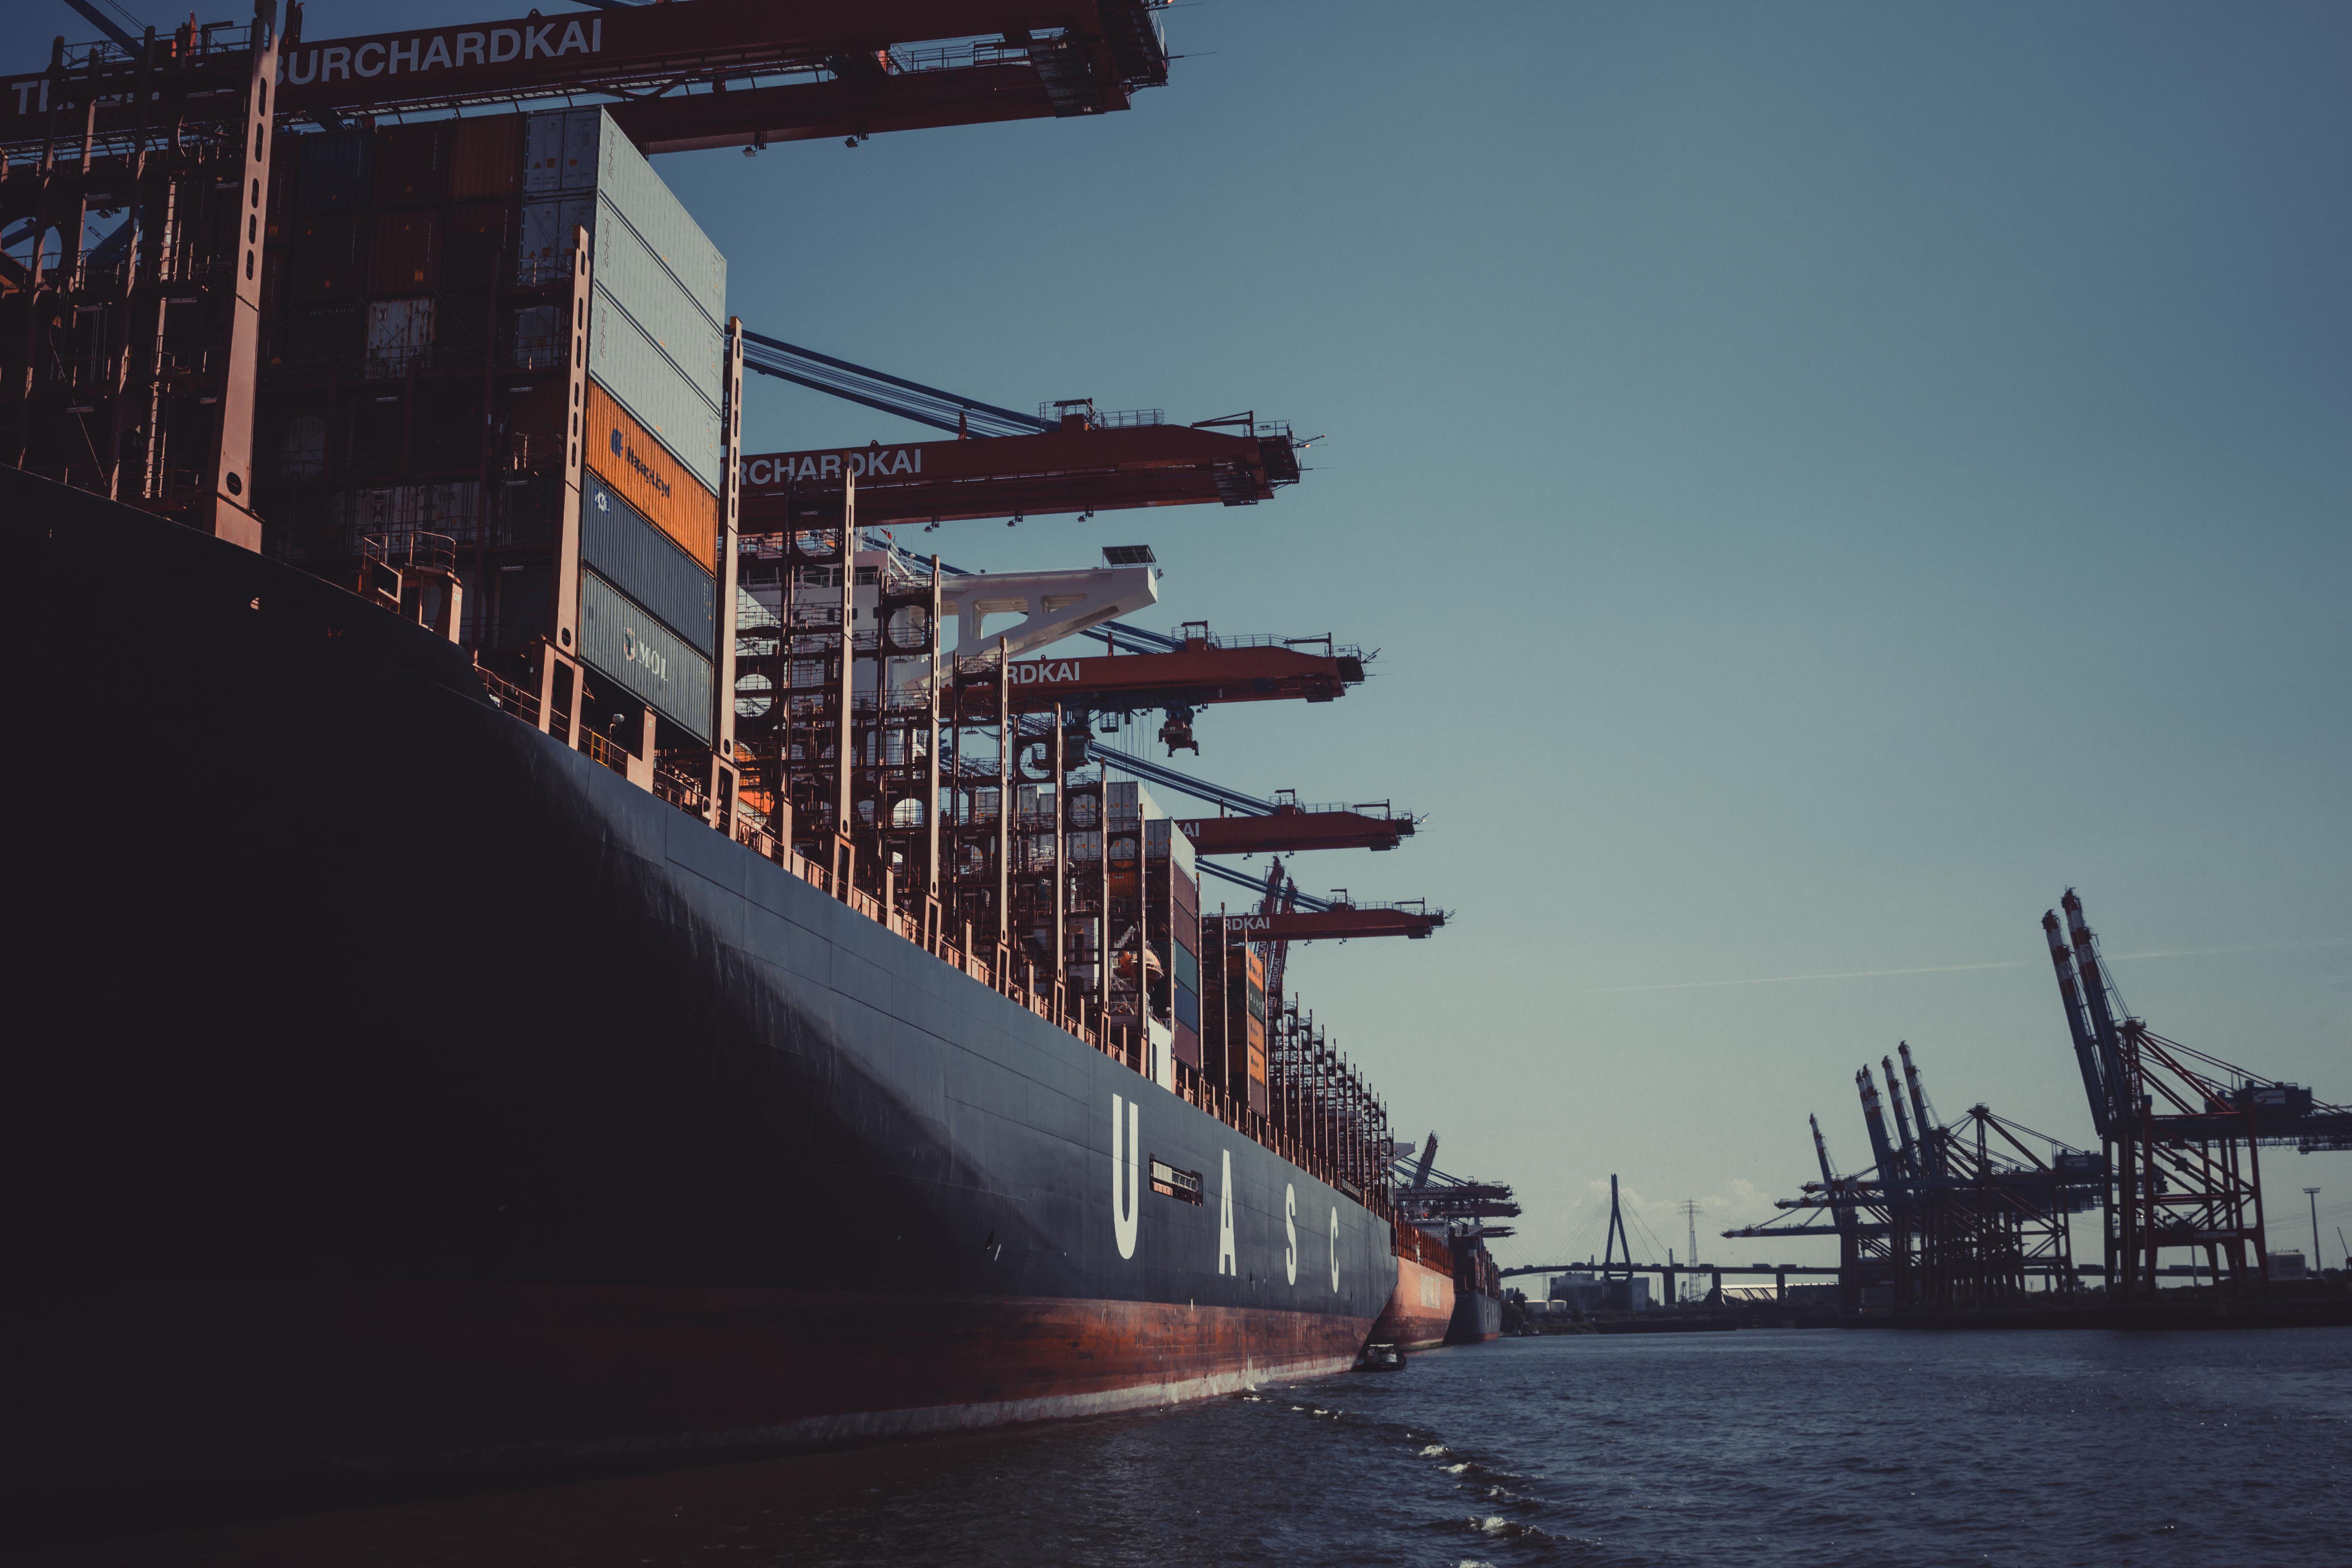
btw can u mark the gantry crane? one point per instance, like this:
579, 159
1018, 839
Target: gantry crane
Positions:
2182, 1130
1958, 1214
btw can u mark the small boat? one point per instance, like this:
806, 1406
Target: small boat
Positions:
1381, 1357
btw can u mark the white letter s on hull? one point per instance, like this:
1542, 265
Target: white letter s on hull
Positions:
1290, 1233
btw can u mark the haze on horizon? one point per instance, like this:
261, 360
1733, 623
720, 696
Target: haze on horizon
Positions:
1822, 479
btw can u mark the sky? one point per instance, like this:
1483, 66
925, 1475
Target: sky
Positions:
1822, 480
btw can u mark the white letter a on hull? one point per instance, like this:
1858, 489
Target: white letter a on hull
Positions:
1225, 1261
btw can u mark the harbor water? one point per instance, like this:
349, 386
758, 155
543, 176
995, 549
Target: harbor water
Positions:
1818, 1448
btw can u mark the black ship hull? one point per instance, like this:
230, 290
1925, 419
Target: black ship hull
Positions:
394, 1094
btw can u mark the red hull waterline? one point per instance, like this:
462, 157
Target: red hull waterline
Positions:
1418, 1313
239, 1391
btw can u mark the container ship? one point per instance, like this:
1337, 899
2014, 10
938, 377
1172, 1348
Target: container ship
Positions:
557, 941
1449, 1289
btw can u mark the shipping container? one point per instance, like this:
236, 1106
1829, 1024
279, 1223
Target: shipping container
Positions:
379, 431
338, 169
650, 476
530, 505
406, 255
303, 448
313, 339
649, 384
535, 418
446, 433
620, 639
629, 186
580, 151
474, 244
330, 258
533, 338
463, 329
412, 165
550, 224
399, 335
560, 149
521, 604
645, 289
486, 156
622, 544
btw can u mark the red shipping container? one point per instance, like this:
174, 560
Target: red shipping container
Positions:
329, 258
474, 245
486, 156
412, 165
406, 256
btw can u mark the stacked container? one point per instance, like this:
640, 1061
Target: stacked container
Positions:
651, 433
416, 310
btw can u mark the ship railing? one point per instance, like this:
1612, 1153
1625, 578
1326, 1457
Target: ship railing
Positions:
509, 697
679, 790
1127, 1045
612, 754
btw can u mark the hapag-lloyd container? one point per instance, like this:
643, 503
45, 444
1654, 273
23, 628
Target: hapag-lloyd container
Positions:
618, 637
625, 547
649, 476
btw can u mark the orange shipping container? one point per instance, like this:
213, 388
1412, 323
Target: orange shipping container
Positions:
628, 458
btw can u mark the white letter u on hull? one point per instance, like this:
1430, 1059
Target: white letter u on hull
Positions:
1125, 1172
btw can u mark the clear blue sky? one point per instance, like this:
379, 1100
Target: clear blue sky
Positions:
1822, 477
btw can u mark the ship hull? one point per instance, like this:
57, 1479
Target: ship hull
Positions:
1420, 1311
401, 1095
1477, 1317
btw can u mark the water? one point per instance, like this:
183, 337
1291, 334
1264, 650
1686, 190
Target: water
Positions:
1818, 1448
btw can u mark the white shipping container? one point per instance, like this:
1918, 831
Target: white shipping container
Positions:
544, 249
559, 150
581, 150
658, 395
628, 184
640, 284
399, 333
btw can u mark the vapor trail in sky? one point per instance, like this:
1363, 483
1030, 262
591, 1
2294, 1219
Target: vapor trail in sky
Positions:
1960, 968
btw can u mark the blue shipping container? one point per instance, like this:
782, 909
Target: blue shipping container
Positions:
337, 173
619, 639
622, 544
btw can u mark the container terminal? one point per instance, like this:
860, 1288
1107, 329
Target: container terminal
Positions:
1969, 1222
583, 951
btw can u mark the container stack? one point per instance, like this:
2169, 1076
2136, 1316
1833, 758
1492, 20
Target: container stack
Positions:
419, 350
